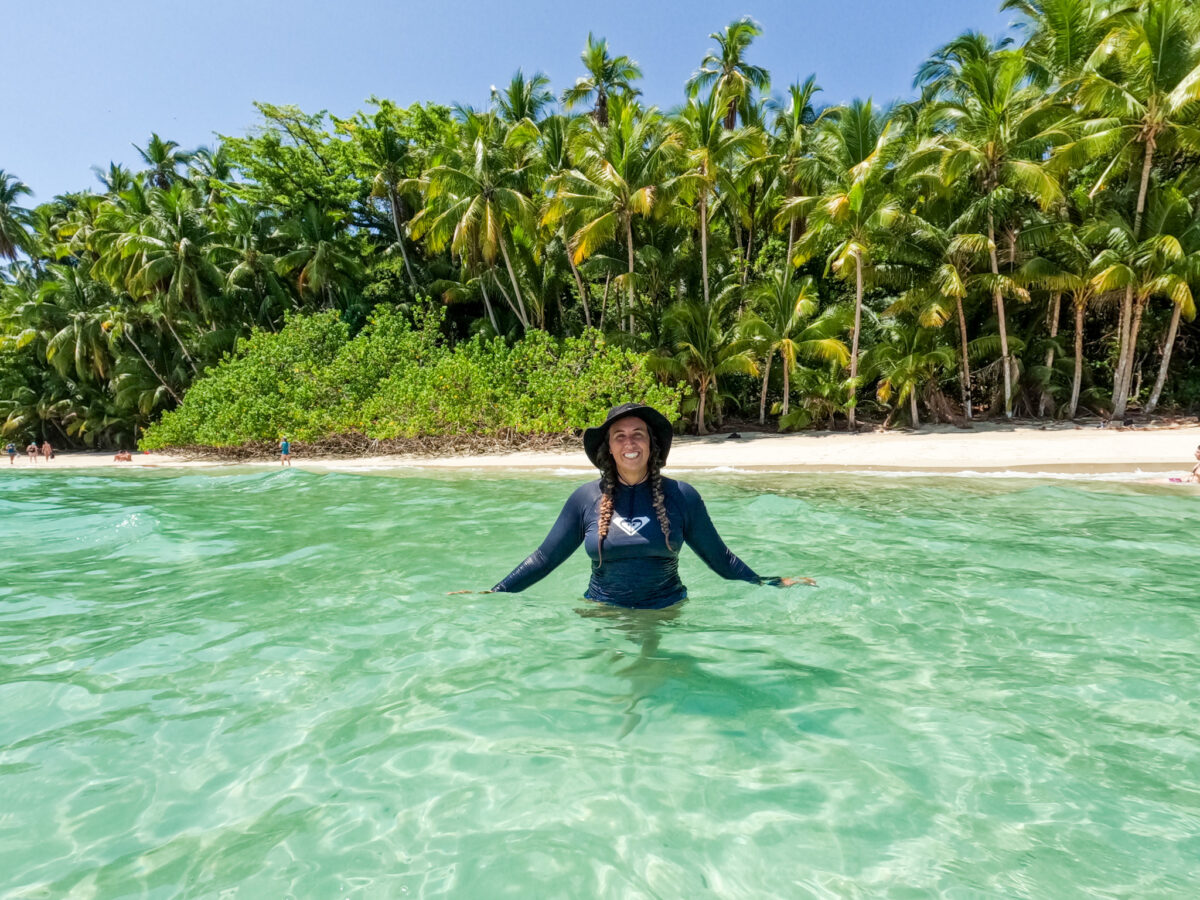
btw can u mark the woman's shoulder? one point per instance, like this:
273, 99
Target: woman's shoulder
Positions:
681, 489
586, 492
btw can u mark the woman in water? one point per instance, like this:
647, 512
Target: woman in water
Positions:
633, 521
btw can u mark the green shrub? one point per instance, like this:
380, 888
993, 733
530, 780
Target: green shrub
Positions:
399, 379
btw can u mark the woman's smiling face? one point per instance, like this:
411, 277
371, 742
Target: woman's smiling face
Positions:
629, 444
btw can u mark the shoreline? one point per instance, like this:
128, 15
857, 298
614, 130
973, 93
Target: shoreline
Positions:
986, 447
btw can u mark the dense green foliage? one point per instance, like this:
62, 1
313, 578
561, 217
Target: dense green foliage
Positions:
312, 380
1023, 239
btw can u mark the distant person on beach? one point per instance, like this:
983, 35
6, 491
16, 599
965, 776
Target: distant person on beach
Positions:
32, 451
285, 452
11, 449
633, 522
1195, 474
123, 456
47, 451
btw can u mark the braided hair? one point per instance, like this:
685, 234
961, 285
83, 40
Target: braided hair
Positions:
608, 487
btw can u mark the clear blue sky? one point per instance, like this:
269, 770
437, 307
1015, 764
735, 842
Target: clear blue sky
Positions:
86, 78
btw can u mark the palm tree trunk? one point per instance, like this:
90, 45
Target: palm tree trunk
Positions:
1135, 324
791, 241
966, 363
700, 409
1128, 343
787, 385
1052, 321
1119, 390
912, 401
1078, 358
604, 302
998, 299
487, 304
762, 400
179, 341
858, 295
703, 243
516, 288
508, 299
629, 248
400, 240
583, 297
150, 366
1166, 360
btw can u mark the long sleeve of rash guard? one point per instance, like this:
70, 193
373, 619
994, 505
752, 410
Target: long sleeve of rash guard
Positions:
564, 537
701, 535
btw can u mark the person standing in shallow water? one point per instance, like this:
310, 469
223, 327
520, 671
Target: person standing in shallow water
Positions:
11, 449
633, 521
32, 452
285, 452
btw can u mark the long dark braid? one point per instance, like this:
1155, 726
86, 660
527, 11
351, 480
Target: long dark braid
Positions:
608, 474
656, 492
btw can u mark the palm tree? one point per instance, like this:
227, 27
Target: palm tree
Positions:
607, 76
907, 360
524, 100
780, 309
476, 200
799, 172
623, 173
388, 158
323, 265
711, 152
13, 218
726, 71
856, 214
163, 159
704, 347
1140, 90
1157, 265
993, 127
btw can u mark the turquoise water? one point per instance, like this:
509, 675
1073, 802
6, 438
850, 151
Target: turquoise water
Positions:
254, 685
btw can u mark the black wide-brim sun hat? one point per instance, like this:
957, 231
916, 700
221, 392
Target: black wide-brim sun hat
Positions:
595, 438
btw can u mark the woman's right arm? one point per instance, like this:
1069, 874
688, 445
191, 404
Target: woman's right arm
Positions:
560, 543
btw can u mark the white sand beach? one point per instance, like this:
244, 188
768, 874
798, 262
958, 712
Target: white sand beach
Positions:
986, 447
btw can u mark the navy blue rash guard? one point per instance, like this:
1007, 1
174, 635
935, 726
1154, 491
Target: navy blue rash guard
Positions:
638, 570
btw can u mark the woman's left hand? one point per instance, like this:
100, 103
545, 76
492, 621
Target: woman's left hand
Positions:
789, 582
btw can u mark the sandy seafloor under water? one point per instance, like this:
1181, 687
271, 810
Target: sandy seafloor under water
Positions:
252, 684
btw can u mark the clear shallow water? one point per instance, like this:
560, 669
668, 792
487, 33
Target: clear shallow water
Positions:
253, 685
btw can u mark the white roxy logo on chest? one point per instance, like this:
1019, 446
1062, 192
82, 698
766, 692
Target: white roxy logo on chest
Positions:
630, 526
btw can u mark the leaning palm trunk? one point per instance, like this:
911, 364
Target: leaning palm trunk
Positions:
179, 341
487, 304
1075, 382
516, 287
998, 299
966, 364
583, 297
858, 295
400, 239
762, 399
700, 409
150, 366
912, 401
1166, 360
